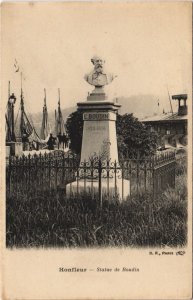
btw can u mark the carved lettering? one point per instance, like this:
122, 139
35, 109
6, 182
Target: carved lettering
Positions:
96, 116
95, 128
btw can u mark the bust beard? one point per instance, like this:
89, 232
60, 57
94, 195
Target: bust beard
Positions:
96, 74
98, 69
99, 78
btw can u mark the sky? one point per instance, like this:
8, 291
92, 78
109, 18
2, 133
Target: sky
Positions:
147, 45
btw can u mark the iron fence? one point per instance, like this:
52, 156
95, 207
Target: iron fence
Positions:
60, 171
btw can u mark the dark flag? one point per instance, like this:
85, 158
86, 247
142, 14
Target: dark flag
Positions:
16, 66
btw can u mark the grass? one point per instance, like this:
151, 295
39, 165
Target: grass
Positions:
52, 220
181, 165
55, 221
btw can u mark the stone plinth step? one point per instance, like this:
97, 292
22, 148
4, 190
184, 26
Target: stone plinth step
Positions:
108, 189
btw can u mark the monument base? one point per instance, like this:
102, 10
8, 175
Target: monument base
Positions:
8, 148
97, 94
107, 187
16, 148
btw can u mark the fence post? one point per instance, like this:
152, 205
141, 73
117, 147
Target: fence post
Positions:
115, 169
153, 176
29, 173
145, 174
174, 174
108, 175
130, 174
49, 174
138, 157
100, 185
84, 168
8, 174
16, 169
122, 177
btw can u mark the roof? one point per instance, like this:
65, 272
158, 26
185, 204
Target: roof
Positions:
165, 117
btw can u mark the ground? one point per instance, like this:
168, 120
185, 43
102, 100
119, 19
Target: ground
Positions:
52, 220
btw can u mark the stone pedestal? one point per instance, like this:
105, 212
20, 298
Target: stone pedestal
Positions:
7, 151
100, 141
16, 148
99, 135
122, 189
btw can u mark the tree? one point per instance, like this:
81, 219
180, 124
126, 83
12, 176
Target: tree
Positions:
74, 126
133, 137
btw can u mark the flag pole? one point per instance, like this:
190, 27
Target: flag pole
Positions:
8, 90
170, 101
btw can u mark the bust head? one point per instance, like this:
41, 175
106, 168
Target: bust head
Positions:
98, 77
98, 63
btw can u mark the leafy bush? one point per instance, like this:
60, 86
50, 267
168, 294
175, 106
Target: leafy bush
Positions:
74, 126
134, 137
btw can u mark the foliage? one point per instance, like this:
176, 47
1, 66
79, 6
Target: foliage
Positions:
132, 135
74, 126
134, 138
56, 221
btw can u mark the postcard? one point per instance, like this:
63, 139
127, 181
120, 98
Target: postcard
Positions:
96, 150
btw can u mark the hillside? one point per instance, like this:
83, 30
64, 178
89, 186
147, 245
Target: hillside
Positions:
141, 106
37, 117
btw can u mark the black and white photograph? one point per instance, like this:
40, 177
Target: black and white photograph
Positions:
97, 104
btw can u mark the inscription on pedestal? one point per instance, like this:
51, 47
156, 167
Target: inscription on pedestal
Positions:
99, 116
96, 128
96, 116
